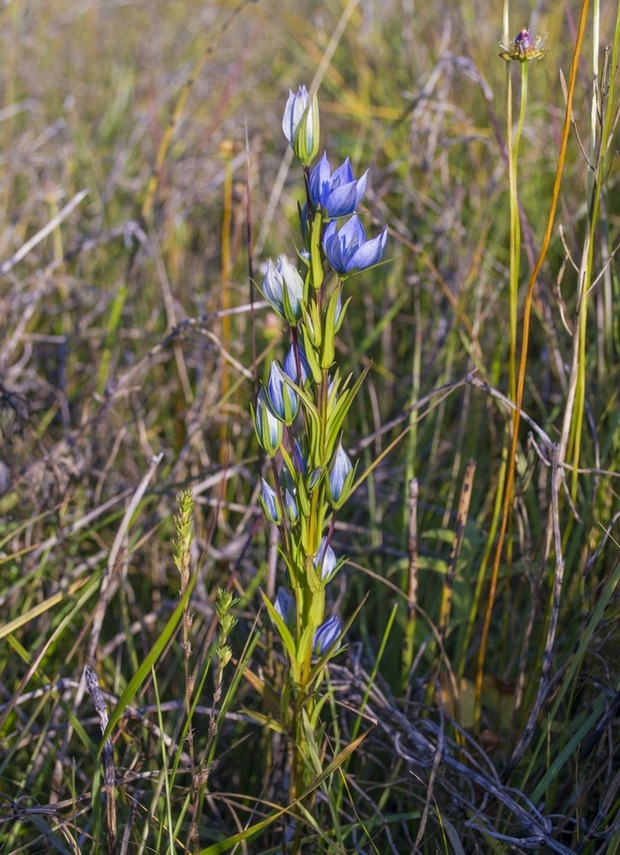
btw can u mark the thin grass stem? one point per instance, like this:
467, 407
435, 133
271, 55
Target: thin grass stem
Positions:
516, 419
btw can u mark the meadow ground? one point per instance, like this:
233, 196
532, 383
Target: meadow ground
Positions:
145, 181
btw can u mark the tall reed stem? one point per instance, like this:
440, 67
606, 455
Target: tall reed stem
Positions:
516, 421
515, 223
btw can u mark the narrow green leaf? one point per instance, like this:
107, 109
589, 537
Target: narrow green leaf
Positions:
145, 668
284, 633
246, 834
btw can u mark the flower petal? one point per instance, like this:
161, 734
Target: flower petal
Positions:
342, 200
368, 254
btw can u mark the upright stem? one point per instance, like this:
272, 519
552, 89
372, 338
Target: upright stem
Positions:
516, 419
515, 224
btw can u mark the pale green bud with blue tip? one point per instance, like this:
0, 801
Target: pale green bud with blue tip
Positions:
283, 399
340, 478
300, 124
327, 635
325, 561
268, 427
283, 288
268, 499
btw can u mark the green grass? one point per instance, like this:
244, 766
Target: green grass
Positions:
122, 384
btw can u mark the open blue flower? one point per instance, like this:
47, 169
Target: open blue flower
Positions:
336, 194
347, 249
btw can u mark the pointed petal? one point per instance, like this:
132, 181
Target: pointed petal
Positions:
368, 254
342, 200
343, 174
318, 184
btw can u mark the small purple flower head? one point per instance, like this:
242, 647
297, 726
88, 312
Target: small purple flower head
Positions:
326, 635
523, 41
290, 365
300, 124
523, 47
268, 427
284, 401
336, 194
285, 606
283, 288
348, 250
325, 560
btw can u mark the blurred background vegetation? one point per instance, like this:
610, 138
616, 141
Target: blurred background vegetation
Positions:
117, 345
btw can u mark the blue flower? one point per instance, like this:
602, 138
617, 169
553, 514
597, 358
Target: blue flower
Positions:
294, 110
290, 365
340, 477
285, 606
284, 401
268, 427
283, 288
268, 499
338, 194
290, 505
325, 560
300, 124
299, 458
327, 635
347, 249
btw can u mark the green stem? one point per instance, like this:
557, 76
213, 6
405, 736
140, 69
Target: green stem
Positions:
515, 223
527, 309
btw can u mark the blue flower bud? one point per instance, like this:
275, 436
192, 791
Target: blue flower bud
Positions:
301, 464
300, 124
290, 365
340, 477
336, 194
268, 427
296, 105
284, 401
326, 635
347, 249
269, 503
325, 560
290, 506
315, 477
285, 606
283, 288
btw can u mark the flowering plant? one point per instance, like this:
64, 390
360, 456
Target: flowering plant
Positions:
298, 418
523, 47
